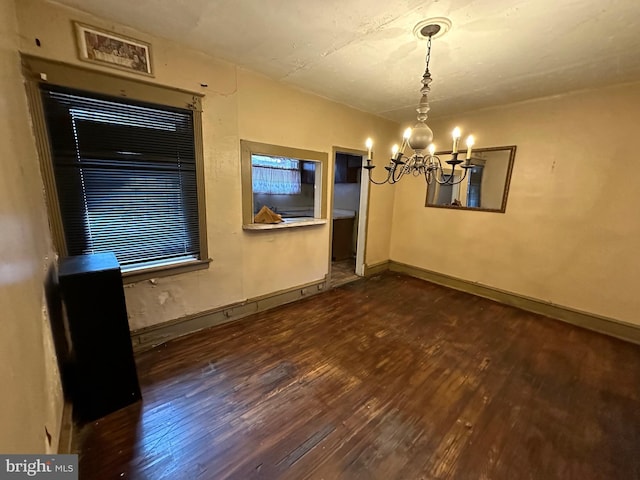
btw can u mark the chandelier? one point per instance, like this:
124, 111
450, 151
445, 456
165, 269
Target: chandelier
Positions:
423, 160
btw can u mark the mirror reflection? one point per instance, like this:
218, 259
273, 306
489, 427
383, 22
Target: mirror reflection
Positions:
486, 187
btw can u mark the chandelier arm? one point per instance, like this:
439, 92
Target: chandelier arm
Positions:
452, 175
386, 180
378, 183
408, 168
441, 180
439, 171
448, 179
401, 172
464, 175
429, 176
445, 179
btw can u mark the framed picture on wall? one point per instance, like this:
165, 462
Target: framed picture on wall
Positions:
113, 50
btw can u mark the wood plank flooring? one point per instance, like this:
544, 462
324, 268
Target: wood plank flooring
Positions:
385, 378
343, 271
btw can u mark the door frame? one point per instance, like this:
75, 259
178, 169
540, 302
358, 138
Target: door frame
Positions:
363, 210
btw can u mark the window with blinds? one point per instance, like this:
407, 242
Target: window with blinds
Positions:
125, 174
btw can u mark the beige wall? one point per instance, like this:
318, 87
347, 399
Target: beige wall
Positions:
32, 397
569, 235
571, 229
238, 105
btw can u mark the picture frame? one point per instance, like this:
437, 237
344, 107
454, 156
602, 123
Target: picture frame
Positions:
113, 50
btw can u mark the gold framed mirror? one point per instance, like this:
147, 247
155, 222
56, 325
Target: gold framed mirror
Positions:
485, 189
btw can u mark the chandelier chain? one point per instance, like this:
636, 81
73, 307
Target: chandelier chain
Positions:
428, 54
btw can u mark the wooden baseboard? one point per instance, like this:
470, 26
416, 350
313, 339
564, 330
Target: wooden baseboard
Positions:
149, 337
376, 268
608, 326
65, 441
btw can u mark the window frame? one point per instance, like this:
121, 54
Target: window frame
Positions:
249, 148
40, 71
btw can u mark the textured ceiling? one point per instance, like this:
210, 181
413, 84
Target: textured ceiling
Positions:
363, 52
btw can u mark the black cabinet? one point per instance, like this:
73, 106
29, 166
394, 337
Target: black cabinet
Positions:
308, 175
347, 168
342, 240
104, 377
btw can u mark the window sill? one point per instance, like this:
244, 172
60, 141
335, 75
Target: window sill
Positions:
288, 223
164, 270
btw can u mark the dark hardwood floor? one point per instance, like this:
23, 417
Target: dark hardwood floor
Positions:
384, 378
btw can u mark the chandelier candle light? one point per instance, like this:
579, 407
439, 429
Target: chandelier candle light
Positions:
423, 160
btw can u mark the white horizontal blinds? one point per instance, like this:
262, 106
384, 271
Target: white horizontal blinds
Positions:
275, 175
126, 176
